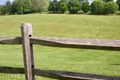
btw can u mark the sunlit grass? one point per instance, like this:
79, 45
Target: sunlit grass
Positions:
59, 25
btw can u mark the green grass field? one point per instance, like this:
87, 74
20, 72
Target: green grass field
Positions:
62, 25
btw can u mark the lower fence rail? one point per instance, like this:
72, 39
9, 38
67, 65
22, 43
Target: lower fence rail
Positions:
62, 75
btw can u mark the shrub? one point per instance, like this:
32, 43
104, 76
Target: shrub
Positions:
63, 7
111, 8
118, 2
8, 7
50, 7
2, 10
85, 7
21, 7
27, 6
54, 6
73, 6
97, 7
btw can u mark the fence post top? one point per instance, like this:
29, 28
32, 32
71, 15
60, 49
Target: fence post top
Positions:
27, 26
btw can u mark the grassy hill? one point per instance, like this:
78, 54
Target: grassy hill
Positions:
62, 25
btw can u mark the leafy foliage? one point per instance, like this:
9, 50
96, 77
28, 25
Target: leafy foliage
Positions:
21, 7
27, 6
58, 6
73, 6
39, 5
118, 2
63, 6
111, 8
85, 7
8, 7
97, 7
54, 6
5, 9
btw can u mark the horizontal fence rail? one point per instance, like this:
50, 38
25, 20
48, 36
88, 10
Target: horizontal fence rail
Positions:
63, 75
67, 42
10, 40
77, 43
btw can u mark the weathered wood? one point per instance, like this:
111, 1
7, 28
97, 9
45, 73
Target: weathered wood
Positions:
58, 75
31, 51
12, 70
10, 40
63, 75
26, 51
77, 43
67, 42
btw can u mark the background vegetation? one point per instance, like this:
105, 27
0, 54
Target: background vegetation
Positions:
97, 7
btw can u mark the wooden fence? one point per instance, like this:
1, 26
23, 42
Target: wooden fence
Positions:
27, 41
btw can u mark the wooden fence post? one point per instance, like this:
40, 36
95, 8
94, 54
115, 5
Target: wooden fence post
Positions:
26, 31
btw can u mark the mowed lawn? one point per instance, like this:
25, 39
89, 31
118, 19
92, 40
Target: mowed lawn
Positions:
62, 25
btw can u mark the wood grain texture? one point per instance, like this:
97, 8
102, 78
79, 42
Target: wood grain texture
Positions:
62, 75
67, 42
12, 70
10, 40
65, 75
31, 51
26, 51
77, 43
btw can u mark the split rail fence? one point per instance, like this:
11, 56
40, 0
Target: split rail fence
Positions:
27, 41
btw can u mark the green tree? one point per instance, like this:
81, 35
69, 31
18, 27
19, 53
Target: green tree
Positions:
27, 6
3, 10
118, 2
54, 6
111, 8
73, 6
97, 7
50, 7
17, 7
21, 7
63, 6
85, 6
0, 9
39, 5
8, 7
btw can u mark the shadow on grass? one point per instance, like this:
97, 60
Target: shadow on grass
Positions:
115, 64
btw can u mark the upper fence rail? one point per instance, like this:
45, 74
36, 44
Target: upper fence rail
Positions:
67, 42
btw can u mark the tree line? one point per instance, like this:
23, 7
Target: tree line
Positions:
99, 7
24, 7
59, 6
